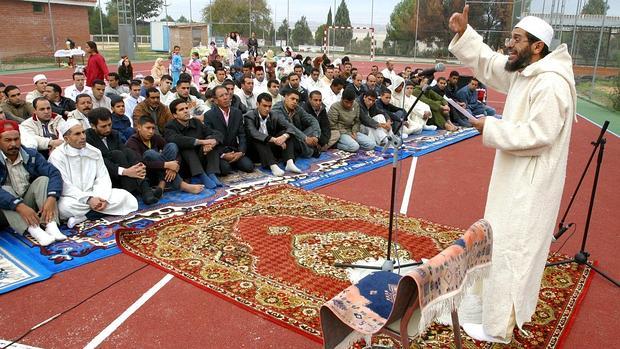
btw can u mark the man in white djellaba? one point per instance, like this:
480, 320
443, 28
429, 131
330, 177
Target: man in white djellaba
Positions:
531, 142
87, 188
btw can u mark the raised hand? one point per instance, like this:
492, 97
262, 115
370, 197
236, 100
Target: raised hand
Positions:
458, 21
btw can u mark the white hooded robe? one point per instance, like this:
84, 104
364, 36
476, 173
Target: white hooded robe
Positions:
526, 185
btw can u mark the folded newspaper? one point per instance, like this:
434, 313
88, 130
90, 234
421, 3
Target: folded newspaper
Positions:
462, 110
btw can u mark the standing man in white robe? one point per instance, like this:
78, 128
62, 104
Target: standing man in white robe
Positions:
87, 189
529, 170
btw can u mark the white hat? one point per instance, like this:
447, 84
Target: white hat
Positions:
65, 126
38, 77
537, 27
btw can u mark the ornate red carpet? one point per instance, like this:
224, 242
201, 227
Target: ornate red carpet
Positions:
272, 251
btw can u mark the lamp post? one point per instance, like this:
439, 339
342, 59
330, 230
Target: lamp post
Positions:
49, 5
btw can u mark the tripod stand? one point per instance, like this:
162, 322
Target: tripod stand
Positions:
394, 141
582, 256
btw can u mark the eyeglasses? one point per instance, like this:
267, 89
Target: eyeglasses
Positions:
515, 40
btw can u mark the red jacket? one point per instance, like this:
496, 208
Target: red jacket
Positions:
96, 69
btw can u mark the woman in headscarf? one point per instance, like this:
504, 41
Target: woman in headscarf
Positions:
158, 70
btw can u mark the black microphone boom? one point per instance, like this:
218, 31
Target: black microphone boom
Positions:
561, 231
430, 71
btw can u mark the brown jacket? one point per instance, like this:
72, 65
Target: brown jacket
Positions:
161, 115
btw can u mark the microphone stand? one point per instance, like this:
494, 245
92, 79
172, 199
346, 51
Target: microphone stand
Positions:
582, 256
396, 142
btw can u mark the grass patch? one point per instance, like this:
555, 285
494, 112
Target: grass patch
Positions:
603, 93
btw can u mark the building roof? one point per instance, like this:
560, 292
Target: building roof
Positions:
89, 3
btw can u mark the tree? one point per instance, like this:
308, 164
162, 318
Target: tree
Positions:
168, 19
301, 34
329, 18
232, 11
182, 19
282, 32
145, 9
587, 42
492, 20
94, 25
343, 36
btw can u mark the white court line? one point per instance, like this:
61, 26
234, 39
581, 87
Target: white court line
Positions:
58, 81
599, 126
404, 206
4, 343
127, 313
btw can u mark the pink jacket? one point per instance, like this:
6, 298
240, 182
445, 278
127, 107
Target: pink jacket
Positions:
194, 66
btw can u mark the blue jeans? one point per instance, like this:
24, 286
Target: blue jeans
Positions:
169, 153
347, 143
481, 108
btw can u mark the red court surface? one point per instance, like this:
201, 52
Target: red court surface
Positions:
449, 188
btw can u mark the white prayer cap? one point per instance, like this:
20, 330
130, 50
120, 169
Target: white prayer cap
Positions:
38, 77
65, 126
537, 27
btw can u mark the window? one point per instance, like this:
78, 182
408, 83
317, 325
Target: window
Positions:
37, 7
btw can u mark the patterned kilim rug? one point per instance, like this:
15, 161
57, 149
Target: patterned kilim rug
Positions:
272, 252
92, 241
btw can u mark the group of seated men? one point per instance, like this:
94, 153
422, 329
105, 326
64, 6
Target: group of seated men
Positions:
93, 151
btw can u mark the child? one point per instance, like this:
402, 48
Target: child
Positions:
195, 66
120, 121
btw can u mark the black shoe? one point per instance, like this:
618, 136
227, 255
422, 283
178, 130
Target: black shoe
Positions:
158, 192
316, 153
148, 196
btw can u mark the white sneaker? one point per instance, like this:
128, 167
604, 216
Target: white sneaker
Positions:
42, 237
277, 171
73, 221
291, 167
52, 229
476, 332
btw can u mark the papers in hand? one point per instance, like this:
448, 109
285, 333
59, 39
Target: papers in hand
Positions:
461, 109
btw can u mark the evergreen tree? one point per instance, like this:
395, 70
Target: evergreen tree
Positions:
282, 31
587, 42
343, 36
301, 34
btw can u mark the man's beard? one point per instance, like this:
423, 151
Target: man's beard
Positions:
524, 59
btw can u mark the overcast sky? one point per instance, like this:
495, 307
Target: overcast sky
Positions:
360, 11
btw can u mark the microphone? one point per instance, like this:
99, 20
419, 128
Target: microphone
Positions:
430, 71
561, 231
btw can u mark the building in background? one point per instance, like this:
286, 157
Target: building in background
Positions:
32, 26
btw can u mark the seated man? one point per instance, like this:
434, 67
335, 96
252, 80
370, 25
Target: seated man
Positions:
356, 84
441, 88
374, 123
245, 93
371, 84
83, 105
87, 189
60, 105
78, 87
100, 100
161, 158
134, 98
270, 136
386, 106
40, 81
196, 143
120, 121
30, 188
344, 118
154, 108
114, 87
260, 82
196, 106
306, 129
147, 83
165, 86
421, 113
229, 122
235, 101
469, 95
294, 83
333, 93
220, 76
15, 108
42, 126
124, 167
316, 108
439, 107
313, 83
273, 87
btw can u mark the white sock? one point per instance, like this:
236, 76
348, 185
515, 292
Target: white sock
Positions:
476, 332
73, 221
42, 237
429, 127
277, 171
52, 229
290, 166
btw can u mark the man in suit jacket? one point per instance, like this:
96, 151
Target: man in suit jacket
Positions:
229, 122
196, 143
124, 166
271, 136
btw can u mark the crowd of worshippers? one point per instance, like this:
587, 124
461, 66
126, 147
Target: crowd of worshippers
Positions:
84, 152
